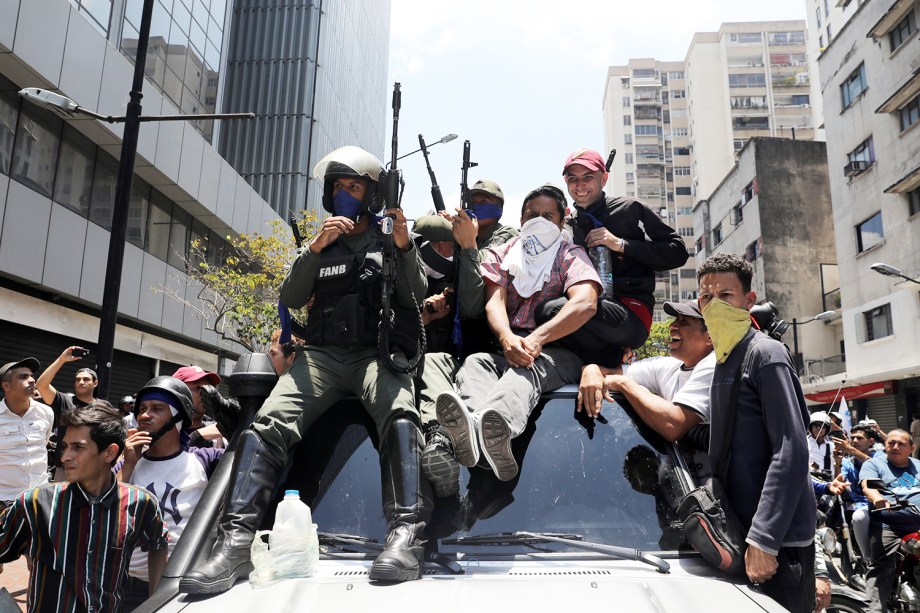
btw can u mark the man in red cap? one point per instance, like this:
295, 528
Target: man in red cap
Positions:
200, 434
638, 243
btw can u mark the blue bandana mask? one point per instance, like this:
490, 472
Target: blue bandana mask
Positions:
486, 211
346, 205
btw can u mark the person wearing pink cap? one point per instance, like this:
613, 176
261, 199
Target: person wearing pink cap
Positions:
640, 245
200, 434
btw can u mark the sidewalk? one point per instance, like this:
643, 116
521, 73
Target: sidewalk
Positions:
15, 578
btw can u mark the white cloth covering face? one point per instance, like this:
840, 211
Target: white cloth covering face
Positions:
530, 260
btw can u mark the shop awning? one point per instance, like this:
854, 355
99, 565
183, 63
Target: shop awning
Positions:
869, 390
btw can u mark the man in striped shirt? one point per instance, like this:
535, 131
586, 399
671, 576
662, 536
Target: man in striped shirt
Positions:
81, 533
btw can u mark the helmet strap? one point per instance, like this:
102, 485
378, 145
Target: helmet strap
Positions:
155, 436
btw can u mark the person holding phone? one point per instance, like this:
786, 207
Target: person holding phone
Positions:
84, 384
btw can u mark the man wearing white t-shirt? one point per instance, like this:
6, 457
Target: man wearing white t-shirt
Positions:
669, 393
158, 458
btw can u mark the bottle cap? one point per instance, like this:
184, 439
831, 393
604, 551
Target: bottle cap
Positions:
292, 493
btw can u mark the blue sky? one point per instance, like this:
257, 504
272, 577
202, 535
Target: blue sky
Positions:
523, 80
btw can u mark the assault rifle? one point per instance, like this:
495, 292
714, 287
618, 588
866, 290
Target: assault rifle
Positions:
435, 189
613, 154
464, 171
390, 186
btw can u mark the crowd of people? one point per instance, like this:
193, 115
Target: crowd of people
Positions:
506, 315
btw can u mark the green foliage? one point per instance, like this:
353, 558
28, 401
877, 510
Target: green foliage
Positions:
660, 336
236, 294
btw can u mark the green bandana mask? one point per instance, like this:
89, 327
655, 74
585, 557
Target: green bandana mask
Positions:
727, 326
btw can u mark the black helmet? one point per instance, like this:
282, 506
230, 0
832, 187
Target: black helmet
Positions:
348, 161
126, 400
175, 388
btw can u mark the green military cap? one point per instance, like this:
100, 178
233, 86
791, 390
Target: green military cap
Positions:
490, 187
433, 228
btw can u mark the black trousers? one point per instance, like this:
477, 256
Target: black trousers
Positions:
793, 585
603, 338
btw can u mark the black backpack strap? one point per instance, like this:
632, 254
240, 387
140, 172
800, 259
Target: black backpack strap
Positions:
721, 463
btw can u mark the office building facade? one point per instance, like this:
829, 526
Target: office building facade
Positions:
57, 175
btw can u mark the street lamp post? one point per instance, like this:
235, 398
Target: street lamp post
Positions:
890, 271
105, 347
444, 139
795, 336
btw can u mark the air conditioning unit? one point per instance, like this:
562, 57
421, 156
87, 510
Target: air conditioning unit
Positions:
855, 167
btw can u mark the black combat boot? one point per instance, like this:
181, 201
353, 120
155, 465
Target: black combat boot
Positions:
406, 504
256, 472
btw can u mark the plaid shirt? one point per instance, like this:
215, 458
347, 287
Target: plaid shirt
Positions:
572, 266
80, 546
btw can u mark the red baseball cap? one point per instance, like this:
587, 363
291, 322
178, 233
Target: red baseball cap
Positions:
588, 158
190, 374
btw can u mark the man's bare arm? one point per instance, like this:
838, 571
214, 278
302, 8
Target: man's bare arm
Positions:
667, 418
591, 388
43, 383
580, 307
156, 562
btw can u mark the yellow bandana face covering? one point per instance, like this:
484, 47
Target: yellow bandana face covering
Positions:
727, 326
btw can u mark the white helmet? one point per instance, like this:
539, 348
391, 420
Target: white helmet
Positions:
348, 161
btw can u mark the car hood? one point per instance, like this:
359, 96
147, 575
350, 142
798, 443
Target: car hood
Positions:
526, 585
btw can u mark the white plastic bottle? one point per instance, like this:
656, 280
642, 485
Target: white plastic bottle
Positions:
293, 540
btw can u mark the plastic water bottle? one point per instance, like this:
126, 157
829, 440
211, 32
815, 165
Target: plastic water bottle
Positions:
603, 263
293, 537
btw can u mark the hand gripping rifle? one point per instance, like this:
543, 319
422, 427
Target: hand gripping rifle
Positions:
390, 186
435, 189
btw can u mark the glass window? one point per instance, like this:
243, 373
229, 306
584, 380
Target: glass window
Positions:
913, 201
647, 130
74, 182
854, 86
717, 234
99, 12
747, 37
137, 212
758, 79
870, 233
217, 249
627, 139
200, 234
102, 203
627, 120
910, 114
864, 152
628, 158
751, 123
178, 238
36, 150
902, 31
9, 113
158, 223
683, 191
626, 101
878, 322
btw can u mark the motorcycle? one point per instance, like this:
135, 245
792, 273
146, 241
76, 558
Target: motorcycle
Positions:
846, 597
905, 594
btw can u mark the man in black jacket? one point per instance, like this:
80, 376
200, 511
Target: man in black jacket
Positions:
639, 244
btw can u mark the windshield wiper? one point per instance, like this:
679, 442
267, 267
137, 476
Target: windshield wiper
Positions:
327, 538
574, 540
363, 541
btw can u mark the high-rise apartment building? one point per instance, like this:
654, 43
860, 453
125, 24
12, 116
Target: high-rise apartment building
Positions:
871, 92
747, 79
680, 125
290, 64
645, 111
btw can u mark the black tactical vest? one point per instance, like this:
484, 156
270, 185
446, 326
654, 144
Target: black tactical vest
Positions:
346, 308
347, 304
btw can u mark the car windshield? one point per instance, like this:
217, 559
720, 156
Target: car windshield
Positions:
607, 481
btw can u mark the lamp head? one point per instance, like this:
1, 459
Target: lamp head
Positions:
448, 138
62, 105
885, 269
